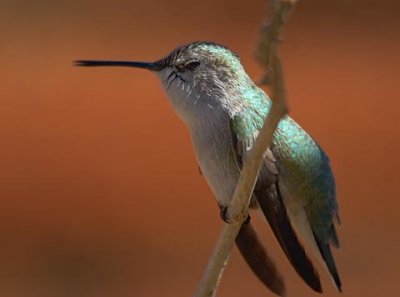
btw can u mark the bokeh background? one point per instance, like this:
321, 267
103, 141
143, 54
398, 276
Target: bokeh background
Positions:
100, 194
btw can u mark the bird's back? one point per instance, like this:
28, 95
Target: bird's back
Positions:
305, 177
305, 170
303, 165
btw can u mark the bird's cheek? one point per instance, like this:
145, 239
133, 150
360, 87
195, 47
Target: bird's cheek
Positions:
187, 76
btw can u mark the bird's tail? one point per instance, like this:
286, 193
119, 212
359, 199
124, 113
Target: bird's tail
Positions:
258, 259
327, 256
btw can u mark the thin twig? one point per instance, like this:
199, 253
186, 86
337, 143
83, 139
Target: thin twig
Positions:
270, 35
266, 55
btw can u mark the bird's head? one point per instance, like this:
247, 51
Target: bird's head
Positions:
194, 75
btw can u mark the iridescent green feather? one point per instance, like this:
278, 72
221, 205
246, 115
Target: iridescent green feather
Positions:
302, 165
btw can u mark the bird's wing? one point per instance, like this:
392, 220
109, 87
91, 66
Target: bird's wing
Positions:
305, 171
244, 131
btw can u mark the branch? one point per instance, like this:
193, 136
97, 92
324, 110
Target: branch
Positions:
266, 55
270, 35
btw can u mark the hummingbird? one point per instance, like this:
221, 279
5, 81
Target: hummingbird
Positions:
224, 110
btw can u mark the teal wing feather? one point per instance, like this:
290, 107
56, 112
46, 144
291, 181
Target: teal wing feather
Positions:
302, 165
269, 199
306, 171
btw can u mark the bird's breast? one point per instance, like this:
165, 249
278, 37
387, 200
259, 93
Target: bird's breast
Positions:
214, 152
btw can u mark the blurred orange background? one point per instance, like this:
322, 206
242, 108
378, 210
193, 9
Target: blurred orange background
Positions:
99, 189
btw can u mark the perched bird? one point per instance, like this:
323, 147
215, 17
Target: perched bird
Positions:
224, 110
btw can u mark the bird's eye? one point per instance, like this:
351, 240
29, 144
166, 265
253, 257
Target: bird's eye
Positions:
191, 65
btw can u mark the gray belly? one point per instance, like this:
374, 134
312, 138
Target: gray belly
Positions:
214, 153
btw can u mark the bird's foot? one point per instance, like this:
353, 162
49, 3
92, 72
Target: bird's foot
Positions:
223, 213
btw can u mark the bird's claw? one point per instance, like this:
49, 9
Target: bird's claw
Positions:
224, 216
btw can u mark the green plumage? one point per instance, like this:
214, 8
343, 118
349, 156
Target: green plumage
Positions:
302, 167
302, 164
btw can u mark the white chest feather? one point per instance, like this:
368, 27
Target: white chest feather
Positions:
213, 148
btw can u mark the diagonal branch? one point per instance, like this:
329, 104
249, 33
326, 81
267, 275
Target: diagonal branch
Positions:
266, 55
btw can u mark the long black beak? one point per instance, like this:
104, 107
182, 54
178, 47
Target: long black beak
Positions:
154, 66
